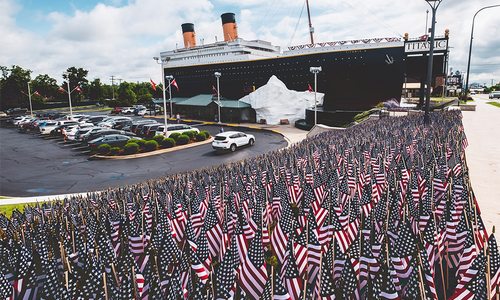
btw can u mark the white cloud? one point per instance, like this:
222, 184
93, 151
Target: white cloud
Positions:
121, 37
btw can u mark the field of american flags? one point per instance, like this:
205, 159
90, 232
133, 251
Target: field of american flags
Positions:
384, 210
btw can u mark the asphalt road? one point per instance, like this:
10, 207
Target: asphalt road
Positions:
33, 166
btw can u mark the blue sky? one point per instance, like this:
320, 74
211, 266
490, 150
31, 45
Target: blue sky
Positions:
120, 37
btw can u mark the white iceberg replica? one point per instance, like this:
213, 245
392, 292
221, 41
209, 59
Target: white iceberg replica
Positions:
273, 101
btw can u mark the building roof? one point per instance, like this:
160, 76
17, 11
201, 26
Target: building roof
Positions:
175, 100
206, 99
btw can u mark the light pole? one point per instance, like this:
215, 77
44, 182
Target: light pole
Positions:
163, 90
470, 46
315, 71
434, 4
29, 97
69, 94
169, 78
217, 75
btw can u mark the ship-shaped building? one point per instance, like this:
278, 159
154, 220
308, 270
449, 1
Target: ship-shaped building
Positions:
356, 74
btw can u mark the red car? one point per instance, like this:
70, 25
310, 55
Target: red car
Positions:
116, 111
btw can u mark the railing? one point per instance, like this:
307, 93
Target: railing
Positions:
348, 42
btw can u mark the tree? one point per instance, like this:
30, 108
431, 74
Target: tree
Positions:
126, 95
14, 87
143, 91
77, 77
96, 90
46, 86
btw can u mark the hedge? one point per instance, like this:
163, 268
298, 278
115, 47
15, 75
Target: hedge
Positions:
206, 133
191, 134
158, 138
182, 139
104, 149
200, 137
175, 135
131, 148
140, 142
151, 145
115, 150
168, 143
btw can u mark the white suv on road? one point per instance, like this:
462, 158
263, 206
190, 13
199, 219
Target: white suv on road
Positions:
231, 140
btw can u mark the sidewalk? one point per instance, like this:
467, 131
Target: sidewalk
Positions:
482, 128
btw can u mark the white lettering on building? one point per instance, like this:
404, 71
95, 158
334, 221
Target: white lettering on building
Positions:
424, 46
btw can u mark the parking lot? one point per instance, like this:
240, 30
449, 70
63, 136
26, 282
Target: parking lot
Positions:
33, 165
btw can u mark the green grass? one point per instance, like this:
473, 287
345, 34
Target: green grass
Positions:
8, 208
497, 104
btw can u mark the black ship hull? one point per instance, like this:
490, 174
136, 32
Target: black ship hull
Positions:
351, 80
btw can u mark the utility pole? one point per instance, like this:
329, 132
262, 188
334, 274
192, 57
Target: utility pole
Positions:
113, 86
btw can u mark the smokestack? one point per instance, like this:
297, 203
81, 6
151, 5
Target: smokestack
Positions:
189, 35
229, 26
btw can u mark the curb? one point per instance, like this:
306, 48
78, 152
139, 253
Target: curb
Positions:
152, 153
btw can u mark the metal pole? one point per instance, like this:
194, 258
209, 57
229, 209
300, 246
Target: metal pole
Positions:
426, 22
170, 95
164, 97
69, 97
218, 98
429, 64
470, 46
29, 97
315, 102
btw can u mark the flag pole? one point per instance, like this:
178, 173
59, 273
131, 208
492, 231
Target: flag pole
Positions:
420, 277
105, 285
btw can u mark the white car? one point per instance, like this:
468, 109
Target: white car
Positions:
20, 120
180, 128
127, 110
47, 129
71, 131
231, 140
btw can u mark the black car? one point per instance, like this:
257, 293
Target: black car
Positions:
114, 140
136, 124
96, 119
150, 130
121, 124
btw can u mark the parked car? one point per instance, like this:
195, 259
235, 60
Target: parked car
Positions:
95, 119
180, 128
109, 123
140, 110
149, 130
120, 124
494, 95
116, 110
114, 140
72, 131
99, 133
231, 140
59, 130
47, 129
127, 110
135, 124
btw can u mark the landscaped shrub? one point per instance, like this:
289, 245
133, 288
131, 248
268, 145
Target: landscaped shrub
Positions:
158, 138
191, 134
201, 137
103, 149
115, 150
151, 145
206, 133
182, 139
140, 142
131, 148
168, 143
175, 135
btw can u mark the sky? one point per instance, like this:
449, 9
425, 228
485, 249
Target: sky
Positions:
120, 37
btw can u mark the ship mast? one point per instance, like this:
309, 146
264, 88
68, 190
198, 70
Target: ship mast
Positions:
311, 28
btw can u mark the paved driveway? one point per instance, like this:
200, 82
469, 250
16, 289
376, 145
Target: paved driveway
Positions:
33, 166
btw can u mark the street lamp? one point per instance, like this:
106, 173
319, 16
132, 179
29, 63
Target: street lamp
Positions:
29, 97
170, 78
69, 94
217, 75
434, 4
470, 46
163, 89
315, 71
